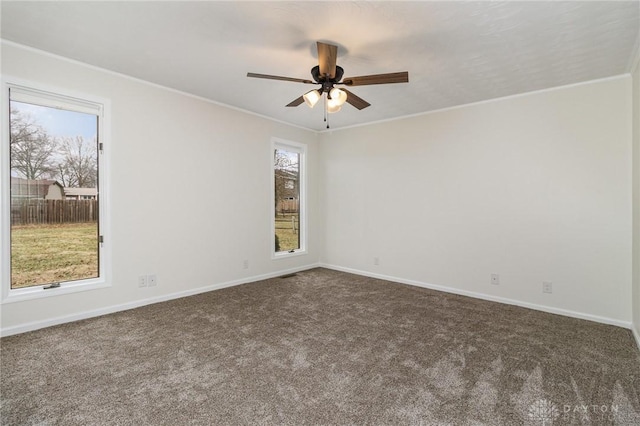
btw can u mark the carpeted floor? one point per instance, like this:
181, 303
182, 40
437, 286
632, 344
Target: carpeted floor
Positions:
322, 347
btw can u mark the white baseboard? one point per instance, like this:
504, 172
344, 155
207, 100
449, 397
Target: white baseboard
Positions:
476, 295
31, 326
636, 333
23, 328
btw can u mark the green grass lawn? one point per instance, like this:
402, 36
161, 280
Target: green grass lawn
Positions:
43, 254
284, 230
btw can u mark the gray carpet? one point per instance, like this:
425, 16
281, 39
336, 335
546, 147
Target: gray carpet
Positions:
322, 347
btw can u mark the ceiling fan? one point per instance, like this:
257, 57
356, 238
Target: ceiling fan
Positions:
328, 75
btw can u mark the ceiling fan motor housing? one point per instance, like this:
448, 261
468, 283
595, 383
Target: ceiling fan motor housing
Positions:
315, 73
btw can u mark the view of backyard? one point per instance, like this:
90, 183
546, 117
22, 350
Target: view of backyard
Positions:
286, 233
42, 254
54, 203
287, 199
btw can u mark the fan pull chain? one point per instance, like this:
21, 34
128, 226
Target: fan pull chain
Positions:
326, 109
324, 100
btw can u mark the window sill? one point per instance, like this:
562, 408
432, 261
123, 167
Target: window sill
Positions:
286, 254
23, 294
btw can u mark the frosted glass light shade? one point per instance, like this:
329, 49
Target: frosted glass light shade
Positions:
333, 106
311, 98
339, 96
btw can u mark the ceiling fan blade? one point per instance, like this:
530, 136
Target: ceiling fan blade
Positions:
356, 101
276, 77
296, 102
393, 77
327, 57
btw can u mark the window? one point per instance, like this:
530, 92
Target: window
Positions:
289, 223
53, 181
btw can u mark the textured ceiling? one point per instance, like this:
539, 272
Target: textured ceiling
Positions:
455, 52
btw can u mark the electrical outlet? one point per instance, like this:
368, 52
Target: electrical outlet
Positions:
376, 261
152, 280
495, 279
245, 264
142, 281
547, 287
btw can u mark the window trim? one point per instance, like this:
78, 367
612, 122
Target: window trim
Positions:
277, 143
7, 294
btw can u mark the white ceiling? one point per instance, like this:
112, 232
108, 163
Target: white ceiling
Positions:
455, 52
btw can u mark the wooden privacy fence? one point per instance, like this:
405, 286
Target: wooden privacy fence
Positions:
28, 212
287, 206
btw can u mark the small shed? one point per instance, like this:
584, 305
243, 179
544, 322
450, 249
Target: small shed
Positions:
81, 193
39, 189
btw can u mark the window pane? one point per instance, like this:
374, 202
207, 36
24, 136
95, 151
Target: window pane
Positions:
287, 200
54, 195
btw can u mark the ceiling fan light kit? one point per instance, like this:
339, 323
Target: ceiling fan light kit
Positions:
332, 106
311, 98
339, 96
327, 74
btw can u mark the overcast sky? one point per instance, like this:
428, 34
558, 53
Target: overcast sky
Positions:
60, 123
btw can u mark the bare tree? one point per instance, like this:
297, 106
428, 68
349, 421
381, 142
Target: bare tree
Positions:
79, 164
32, 149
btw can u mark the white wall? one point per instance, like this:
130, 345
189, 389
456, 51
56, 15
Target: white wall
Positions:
190, 199
534, 188
636, 201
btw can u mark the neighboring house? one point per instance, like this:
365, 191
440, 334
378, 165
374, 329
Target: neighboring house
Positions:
286, 184
40, 189
287, 192
81, 193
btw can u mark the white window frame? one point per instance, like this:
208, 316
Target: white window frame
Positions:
277, 143
54, 97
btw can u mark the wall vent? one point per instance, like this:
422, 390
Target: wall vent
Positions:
287, 276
